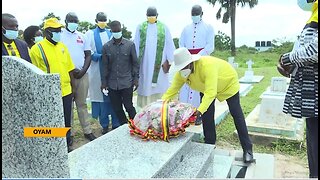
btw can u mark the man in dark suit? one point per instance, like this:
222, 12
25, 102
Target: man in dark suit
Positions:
11, 46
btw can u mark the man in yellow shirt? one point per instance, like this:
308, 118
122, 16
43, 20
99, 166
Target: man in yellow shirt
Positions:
215, 78
52, 56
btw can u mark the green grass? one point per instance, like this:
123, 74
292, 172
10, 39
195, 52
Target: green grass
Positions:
265, 65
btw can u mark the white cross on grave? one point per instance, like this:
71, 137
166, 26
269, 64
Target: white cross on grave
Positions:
249, 63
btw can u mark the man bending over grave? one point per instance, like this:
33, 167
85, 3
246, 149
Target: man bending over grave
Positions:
214, 78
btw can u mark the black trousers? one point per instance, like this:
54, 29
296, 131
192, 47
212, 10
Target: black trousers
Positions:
209, 127
312, 125
119, 98
67, 108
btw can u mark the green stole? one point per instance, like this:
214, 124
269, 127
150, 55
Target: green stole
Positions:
160, 46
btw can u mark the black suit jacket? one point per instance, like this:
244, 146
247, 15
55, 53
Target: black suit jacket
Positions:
22, 48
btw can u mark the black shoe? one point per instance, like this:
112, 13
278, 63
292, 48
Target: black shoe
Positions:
198, 121
105, 130
90, 136
70, 141
69, 149
248, 156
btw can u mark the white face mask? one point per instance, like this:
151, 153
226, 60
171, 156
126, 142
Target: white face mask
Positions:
185, 73
304, 5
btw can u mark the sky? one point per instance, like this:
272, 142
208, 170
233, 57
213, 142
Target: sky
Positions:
269, 20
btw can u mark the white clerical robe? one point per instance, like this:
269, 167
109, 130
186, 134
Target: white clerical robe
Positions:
95, 93
195, 36
146, 87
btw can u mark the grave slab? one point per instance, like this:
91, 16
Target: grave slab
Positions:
118, 154
245, 89
255, 79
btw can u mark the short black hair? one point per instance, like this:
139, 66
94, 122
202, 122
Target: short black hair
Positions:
115, 24
29, 33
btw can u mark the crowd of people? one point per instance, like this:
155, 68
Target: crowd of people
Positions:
106, 67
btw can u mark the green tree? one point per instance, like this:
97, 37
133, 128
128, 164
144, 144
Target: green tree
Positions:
229, 6
222, 41
50, 15
176, 42
84, 26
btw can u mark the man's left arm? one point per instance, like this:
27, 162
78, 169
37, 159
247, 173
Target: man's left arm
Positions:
211, 86
209, 47
87, 58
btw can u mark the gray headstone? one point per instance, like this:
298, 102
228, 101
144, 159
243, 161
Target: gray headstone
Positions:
31, 98
249, 63
279, 84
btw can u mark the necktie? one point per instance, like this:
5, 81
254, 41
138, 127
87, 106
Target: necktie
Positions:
13, 53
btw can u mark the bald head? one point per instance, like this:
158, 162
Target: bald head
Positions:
152, 11
196, 10
101, 16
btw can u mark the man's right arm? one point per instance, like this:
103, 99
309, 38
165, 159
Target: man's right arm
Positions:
173, 90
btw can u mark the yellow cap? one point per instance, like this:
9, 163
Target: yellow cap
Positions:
52, 22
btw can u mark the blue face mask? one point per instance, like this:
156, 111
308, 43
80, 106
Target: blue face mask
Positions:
117, 35
73, 26
196, 19
304, 5
38, 39
11, 34
56, 36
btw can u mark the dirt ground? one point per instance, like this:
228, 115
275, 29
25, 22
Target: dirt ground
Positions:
285, 166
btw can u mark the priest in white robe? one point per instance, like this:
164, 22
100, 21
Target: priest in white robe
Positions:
198, 38
155, 47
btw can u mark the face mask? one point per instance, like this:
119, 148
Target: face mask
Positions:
117, 35
72, 26
11, 34
102, 25
196, 19
38, 39
185, 73
56, 36
304, 5
152, 19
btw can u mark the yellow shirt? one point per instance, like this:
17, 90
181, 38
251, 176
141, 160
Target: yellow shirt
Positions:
12, 48
212, 76
59, 61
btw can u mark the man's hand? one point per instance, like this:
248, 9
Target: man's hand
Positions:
284, 70
135, 85
103, 87
166, 66
198, 115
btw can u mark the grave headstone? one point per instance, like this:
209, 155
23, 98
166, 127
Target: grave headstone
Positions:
249, 76
267, 119
31, 98
279, 84
232, 62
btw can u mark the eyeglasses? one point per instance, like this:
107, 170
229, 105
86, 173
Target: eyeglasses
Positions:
13, 53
